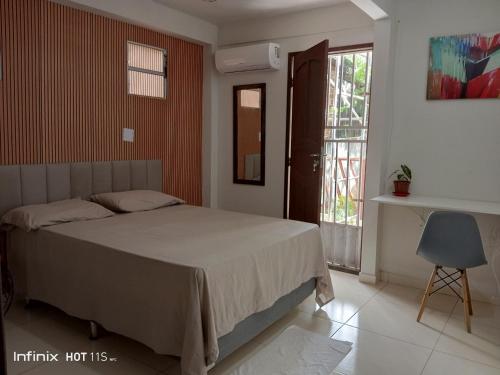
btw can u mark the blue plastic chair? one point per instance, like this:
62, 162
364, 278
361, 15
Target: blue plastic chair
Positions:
452, 240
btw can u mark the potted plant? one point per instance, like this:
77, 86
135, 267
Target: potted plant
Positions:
402, 181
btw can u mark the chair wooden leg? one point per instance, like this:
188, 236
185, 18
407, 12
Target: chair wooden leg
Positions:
467, 289
428, 291
465, 295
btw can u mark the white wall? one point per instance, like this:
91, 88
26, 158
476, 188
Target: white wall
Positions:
452, 146
310, 22
152, 15
378, 142
210, 129
342, 25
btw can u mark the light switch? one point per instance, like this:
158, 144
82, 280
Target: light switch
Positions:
128, 135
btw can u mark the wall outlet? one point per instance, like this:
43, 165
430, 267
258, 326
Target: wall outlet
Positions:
128, 135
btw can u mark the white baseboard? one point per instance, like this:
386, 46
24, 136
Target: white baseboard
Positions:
394, 278
405, 280
367, 278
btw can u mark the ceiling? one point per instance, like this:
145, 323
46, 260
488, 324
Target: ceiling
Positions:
225, 11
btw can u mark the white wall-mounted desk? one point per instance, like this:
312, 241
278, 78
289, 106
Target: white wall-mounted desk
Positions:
481, 207
400, 232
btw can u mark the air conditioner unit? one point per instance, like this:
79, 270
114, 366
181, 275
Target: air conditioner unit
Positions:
248, 58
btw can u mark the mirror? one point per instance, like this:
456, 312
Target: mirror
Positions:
249, 115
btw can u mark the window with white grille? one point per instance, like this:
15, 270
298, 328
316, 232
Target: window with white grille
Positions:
146, 70
349, 78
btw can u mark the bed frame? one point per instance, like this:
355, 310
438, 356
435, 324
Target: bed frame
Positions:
42, 183
22, 185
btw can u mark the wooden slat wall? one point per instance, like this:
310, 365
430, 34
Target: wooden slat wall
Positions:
63, 96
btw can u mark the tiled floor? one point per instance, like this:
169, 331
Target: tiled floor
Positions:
379, 320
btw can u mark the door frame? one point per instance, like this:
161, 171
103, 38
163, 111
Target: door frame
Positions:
289, 87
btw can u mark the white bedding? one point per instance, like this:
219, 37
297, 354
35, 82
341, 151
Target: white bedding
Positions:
175, 278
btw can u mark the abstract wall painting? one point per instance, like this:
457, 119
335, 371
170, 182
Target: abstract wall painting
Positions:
464, 67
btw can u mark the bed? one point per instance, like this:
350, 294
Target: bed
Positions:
186, 281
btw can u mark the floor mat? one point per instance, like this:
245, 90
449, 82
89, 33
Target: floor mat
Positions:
296, 352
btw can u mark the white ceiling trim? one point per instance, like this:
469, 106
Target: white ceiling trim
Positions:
228, 11
150, 14
371, 8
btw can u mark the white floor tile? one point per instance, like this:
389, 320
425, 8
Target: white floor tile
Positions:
398, 294
350, 295
483, 313
296, 317
373, 354
59, 332
482, 345
39, 335
123, 366
21, 340
19, 314
441, 363
393, 313
388, 341
345, 284
121, 347
233, 360
125, 347
303, 320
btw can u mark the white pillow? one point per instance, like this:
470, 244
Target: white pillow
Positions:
135, 200
40, 215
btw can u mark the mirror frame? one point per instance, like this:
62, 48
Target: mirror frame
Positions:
236, 180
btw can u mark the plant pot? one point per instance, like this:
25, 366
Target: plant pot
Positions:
401, 188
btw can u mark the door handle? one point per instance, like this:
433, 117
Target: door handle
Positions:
315, 164
316, 160
316, 155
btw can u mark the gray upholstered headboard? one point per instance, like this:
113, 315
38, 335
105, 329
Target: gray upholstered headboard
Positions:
21, 185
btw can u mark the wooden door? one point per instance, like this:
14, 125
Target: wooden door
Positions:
307, 132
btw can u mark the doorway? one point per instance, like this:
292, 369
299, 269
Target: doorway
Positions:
343, 153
